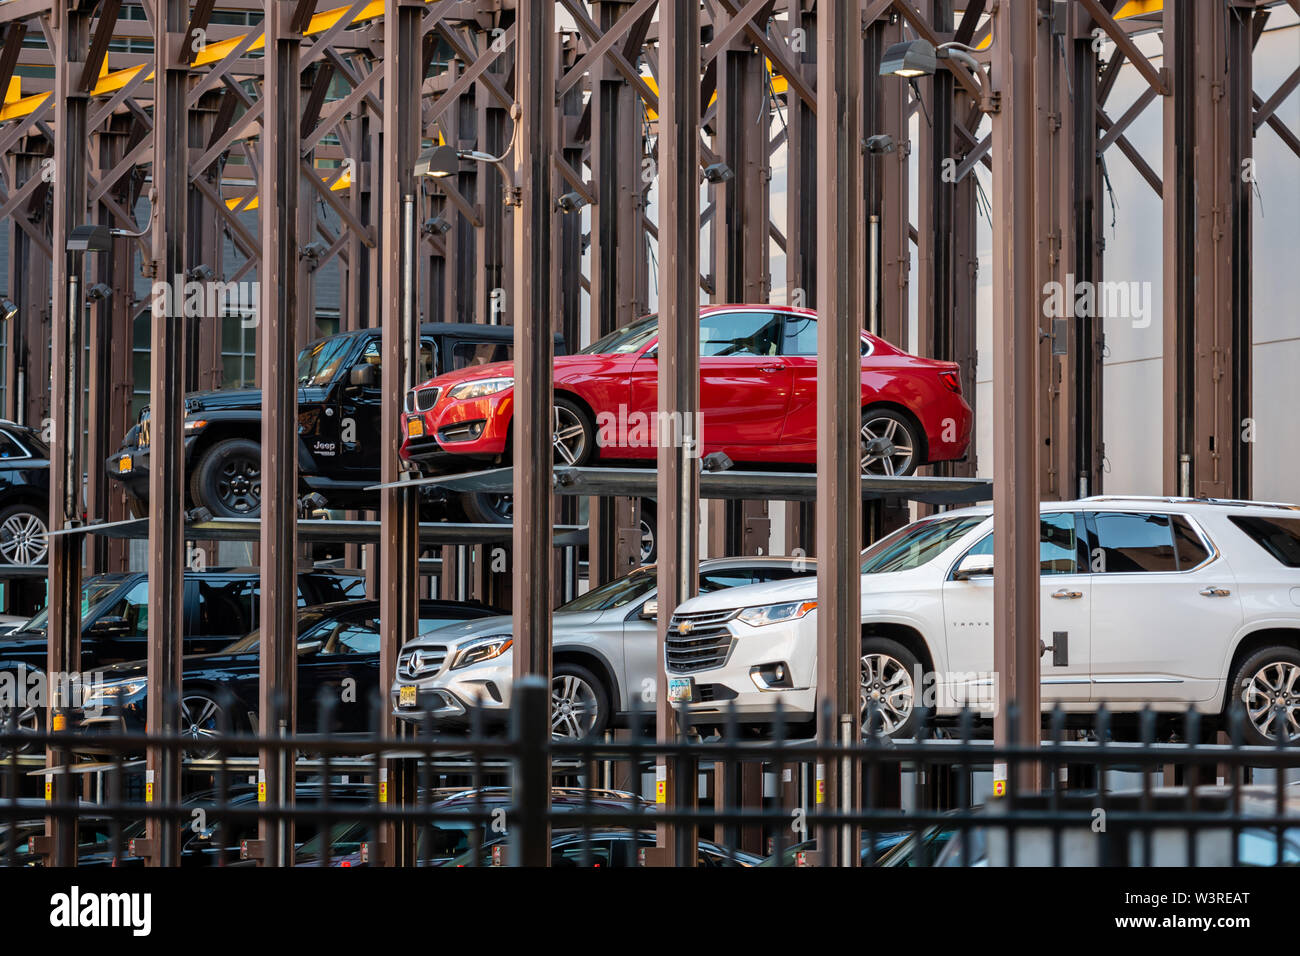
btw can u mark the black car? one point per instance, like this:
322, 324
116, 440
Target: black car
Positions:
603, 847
338, 654
24, 494
221, 605
339, 410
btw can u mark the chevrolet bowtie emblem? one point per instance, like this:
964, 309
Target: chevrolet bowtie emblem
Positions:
685, 627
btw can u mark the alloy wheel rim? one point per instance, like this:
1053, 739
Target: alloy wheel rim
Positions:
886, 690
1272, 700
23, 539
647, 541
887, 447
239, 485
200, 720
573, 707
568, 436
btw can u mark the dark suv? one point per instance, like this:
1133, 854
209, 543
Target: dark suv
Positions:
339, 412
24, 494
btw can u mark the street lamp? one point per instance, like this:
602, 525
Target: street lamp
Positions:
439, 162
913, 58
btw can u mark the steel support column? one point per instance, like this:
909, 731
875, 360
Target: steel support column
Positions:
278, 333
1015, 383
166, 404
839, 495
399, 550
71, 31
679, 372
534, 355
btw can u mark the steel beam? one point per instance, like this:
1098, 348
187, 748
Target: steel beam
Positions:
1015, 385
839, 501
166, 402
535, 73
679, 375
399, 546
278, 201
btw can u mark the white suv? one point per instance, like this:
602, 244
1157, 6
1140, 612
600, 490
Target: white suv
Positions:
1159, 602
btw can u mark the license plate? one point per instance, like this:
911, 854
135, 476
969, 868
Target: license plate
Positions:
681, 690
124, 465
406, 696
415, 428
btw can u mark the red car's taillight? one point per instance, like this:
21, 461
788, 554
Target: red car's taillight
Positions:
952, 380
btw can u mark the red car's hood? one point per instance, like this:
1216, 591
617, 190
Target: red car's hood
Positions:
473, 373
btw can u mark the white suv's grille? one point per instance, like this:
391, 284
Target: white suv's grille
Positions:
422, 662
698, 641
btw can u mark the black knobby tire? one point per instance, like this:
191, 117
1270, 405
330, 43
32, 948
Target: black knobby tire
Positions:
227, 479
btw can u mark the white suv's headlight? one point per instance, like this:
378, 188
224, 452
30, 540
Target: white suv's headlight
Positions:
482, 650
481, 388
776, 613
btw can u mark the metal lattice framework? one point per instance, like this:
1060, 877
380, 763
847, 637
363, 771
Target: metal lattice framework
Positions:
217, 137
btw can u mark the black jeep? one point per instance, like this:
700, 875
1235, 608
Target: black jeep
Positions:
339, 408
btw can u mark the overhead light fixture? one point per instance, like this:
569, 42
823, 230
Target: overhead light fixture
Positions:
8, 309
99, 290
314, 250
438, 162
90, 237
436, 224
716, 461
570, 202
909, 58
201, 273
880, 143
718, 173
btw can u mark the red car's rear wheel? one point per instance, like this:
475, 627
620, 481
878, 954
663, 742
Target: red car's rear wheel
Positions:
891, 443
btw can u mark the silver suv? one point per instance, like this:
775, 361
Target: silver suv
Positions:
605, 659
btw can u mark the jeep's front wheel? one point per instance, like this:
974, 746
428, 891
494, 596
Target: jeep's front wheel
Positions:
228, 479
887, 695
1266, 692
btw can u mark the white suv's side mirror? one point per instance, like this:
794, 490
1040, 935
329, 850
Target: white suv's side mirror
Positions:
973, 565
650, 610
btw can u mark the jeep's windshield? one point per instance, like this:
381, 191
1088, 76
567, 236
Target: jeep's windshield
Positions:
319, 362
627, 339
916, 544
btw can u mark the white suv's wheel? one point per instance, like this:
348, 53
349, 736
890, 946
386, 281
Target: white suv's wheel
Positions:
888, 696
1266, 691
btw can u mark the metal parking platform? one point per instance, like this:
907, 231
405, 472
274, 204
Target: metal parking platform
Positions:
738, 485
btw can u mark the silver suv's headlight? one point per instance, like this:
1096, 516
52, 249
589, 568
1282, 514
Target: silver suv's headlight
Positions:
481, 388
776, 613
482, 650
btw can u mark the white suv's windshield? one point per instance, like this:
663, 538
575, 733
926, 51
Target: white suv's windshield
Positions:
916, 544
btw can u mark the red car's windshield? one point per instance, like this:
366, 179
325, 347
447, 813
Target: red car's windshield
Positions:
623, 341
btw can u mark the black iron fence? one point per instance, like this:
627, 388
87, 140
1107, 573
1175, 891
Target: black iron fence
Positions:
730, 798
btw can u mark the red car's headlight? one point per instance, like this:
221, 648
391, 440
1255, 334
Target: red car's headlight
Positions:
481, 388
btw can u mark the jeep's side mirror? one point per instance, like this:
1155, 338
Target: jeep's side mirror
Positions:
309, 647
111, 625
650, 611
972, 566
365, 375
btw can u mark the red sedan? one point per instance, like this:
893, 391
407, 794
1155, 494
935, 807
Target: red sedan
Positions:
758, 400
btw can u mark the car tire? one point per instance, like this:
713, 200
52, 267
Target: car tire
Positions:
649, 532
888, 683
485, 508
1270, 672
585, 696
227, 479
572, 433
891, 442
30, 720
23, 531
201, 717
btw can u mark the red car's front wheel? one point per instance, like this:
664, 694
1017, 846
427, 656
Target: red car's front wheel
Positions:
572, 434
